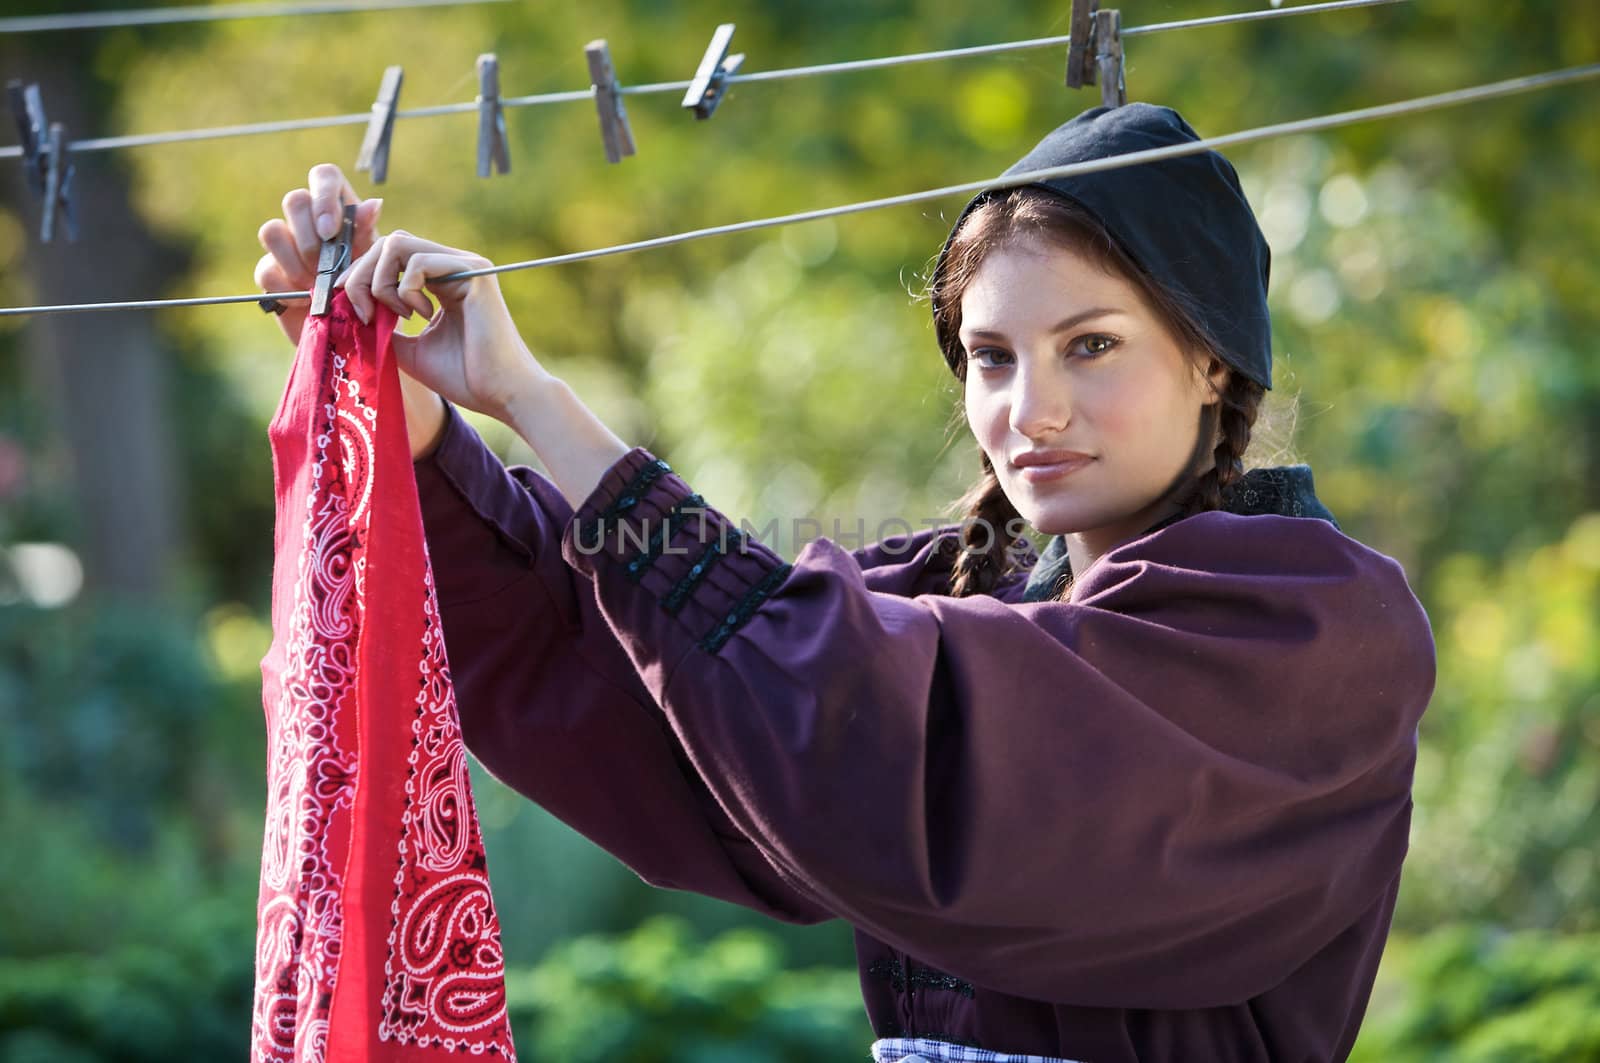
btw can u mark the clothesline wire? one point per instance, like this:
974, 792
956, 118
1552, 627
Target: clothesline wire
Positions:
678, 87
155, 16
1306, 125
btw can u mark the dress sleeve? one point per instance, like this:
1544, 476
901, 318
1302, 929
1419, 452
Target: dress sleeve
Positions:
550, 703
1169, 792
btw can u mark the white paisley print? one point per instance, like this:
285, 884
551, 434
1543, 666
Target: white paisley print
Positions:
441, 988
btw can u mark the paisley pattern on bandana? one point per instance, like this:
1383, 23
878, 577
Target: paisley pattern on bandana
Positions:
376, 931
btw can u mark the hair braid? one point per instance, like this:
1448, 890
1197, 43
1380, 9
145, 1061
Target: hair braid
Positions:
988, 520
1236, 412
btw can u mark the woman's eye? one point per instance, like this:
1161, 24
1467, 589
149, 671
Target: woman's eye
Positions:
983, 352
1098, 344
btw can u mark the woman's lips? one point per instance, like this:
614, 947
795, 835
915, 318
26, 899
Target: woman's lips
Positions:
1038, 473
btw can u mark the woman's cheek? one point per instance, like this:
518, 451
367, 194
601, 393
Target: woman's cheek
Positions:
988, 420
1106, 409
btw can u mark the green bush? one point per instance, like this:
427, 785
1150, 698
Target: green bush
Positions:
189, 999
1479, 994
102, 706
655, 996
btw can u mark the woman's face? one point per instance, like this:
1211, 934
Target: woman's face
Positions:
1062, 356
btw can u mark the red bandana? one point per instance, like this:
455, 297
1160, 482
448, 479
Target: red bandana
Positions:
376, 934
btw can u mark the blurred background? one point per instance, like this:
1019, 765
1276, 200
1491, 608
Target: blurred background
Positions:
1434, 294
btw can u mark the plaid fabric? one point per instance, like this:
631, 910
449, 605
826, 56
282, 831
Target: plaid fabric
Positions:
927, 1050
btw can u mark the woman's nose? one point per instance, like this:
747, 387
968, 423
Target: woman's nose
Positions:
1040, 405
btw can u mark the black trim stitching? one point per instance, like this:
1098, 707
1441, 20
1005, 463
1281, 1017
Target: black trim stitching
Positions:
682, 589
891, 970
926, 977
929, 978
663, 535
745, 609
630, 495
636, 488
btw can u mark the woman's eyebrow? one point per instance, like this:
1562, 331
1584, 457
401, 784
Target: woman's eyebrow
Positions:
1061, 326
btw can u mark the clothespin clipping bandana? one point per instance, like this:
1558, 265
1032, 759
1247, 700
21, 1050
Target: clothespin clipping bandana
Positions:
376, 933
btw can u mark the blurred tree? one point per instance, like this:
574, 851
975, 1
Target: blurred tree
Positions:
1477, 994
654, 995
100, 381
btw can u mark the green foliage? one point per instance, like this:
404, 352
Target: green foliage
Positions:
101, 700
1477, 994
1509, 774
654, 995
187, 998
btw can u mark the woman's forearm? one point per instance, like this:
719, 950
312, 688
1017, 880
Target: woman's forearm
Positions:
575, 446
425, 417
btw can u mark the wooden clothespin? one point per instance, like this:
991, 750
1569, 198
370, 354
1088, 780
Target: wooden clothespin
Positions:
706, 90
28, 110
58, 186
45, 162
1094, 52
331, 262
492, 151
1080, 55
1108, 56
614, 130
374, 155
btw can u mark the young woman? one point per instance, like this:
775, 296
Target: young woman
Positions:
1145, 797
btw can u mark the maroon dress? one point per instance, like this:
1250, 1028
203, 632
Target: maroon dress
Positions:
1164, 820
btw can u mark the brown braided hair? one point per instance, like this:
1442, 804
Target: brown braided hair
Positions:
991, 525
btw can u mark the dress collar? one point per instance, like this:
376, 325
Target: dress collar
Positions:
1279, 490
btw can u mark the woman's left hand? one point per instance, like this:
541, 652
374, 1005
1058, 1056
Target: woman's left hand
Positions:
470, 352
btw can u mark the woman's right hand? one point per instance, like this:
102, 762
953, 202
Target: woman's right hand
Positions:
294, 243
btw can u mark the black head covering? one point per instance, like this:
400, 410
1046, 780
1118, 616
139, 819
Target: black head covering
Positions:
1185, 220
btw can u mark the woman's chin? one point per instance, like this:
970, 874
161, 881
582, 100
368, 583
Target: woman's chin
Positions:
1054, 522
1064, 518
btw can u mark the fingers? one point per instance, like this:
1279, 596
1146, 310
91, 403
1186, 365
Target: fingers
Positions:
386, 281
297, 215
430, 264
366, 226
294, 241
270, 276
282, 250
357, 280
330, 191
376, 276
